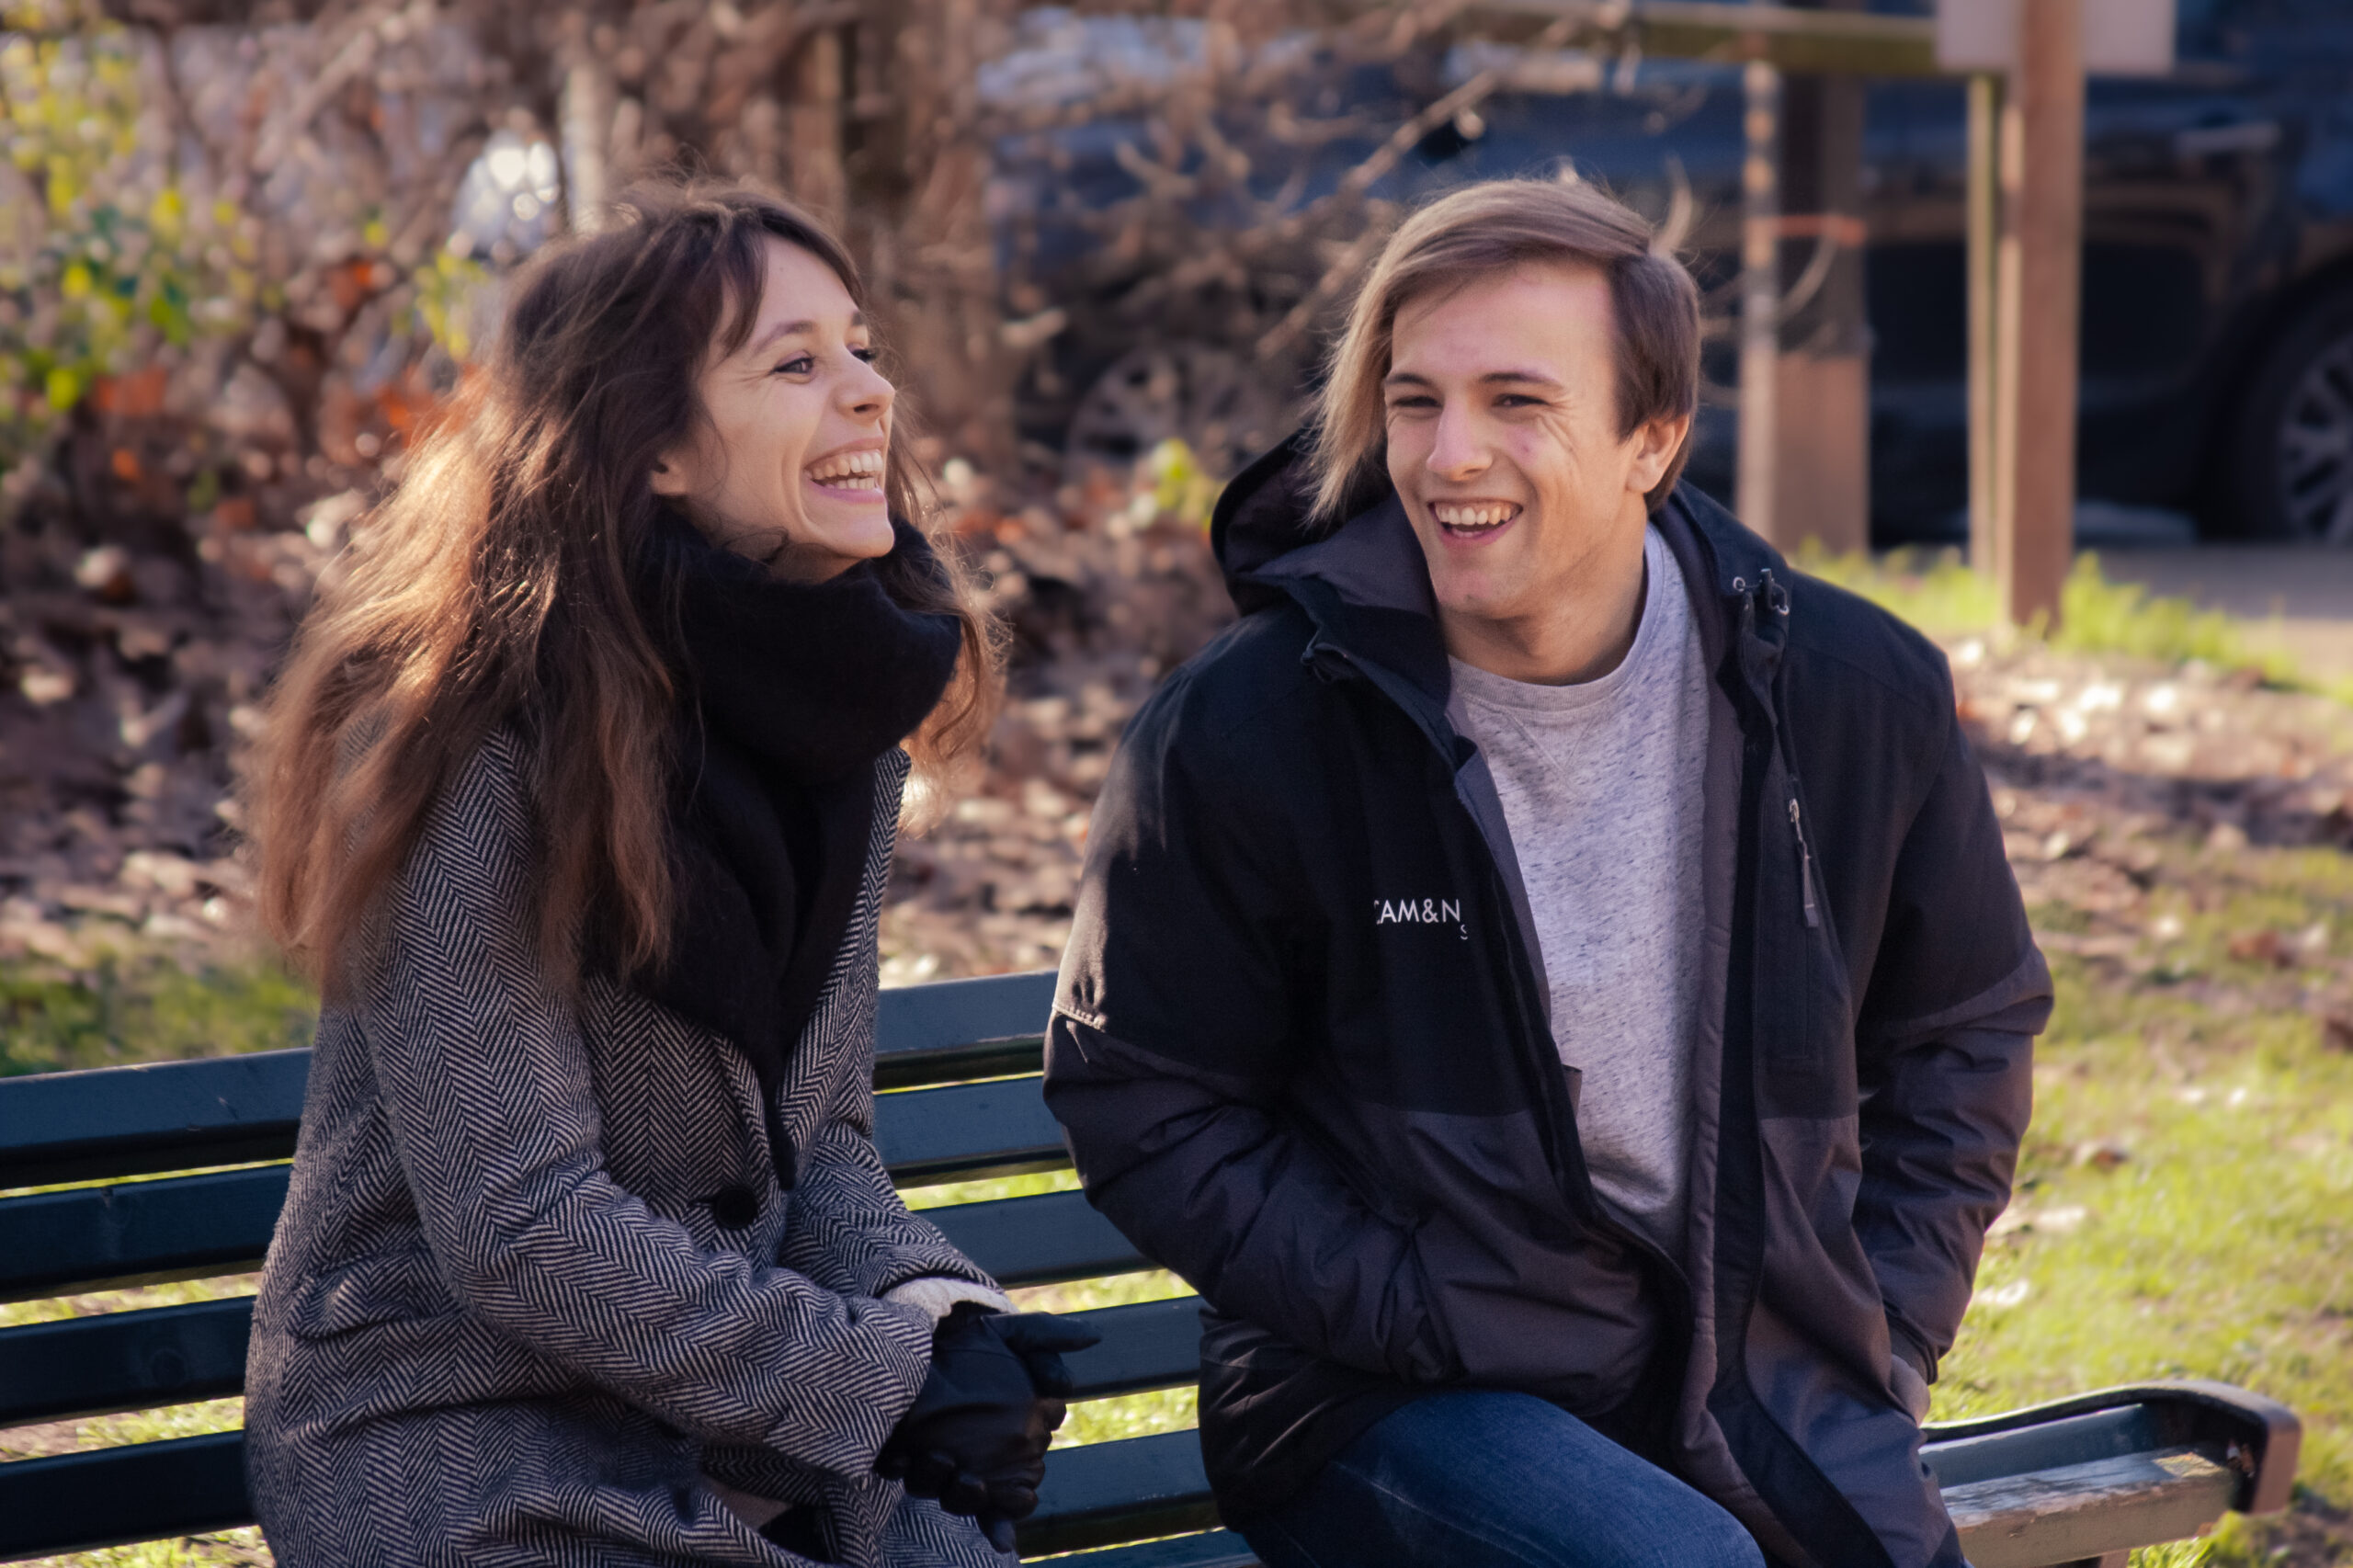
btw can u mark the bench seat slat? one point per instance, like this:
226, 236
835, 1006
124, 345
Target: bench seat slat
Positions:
2086, 1510
171, 1115
95, 1366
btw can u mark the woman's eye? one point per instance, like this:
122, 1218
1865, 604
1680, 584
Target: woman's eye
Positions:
1515, 399
800, 365
1405, 404
863, 356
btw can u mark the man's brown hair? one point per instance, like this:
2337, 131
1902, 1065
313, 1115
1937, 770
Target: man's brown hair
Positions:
1474, 233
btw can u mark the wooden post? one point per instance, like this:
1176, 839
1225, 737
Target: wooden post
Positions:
584, 130
2042, 263
1822, 403
813, 121
1985, 220
1760, 299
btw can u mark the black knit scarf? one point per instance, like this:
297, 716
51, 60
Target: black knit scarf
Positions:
792, 693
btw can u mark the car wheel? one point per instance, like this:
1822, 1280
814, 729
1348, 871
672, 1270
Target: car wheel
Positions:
1225, 409
2292, 454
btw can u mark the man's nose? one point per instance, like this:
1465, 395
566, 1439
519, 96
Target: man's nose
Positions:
1457, 452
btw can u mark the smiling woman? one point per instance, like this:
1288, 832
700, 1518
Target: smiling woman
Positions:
578, 796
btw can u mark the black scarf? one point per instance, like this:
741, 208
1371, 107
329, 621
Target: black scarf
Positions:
792, 693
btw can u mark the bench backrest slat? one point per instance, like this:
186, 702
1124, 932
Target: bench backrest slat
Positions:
160, 1116
176, 1116
95, 1366
109, 1496
60, 1243
188, 1227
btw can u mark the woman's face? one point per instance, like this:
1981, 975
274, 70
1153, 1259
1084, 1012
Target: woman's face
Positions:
789, 469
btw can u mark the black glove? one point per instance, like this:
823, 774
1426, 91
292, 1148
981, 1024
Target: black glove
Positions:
976, 1436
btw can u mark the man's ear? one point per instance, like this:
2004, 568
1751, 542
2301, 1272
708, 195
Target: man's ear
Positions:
1655, 444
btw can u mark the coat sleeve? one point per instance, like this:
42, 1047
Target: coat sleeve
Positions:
1167, 1057
850, 1229
487, 1084
1946, 1046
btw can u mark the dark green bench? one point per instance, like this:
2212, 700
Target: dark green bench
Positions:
2068, 1483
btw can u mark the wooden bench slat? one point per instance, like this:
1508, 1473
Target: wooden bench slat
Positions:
2085, 1510
108, 1497
1104, 1493
1043, 1240
962, 1028
1210, 1548
95, 1366
968, 1132
97, 1238
58, 1244
159, 1116
188, 1227
170, 1116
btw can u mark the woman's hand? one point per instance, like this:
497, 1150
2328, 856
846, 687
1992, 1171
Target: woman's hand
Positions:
976, 1436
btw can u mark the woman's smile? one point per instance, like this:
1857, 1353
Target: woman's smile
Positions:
853, 474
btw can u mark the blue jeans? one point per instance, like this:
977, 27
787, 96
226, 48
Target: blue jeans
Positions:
1475, 1479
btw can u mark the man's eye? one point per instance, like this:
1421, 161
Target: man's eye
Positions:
1515, 400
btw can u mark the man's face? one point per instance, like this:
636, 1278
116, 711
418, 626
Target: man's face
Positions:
1504, 444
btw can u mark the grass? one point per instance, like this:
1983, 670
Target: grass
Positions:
126, 1003
1941, 595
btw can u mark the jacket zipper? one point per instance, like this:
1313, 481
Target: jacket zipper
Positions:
1805, 866
1681, 1307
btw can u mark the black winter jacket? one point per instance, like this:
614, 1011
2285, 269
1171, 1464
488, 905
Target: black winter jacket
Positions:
1301, 1052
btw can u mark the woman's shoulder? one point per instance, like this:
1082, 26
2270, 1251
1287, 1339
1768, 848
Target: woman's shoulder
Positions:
487, 798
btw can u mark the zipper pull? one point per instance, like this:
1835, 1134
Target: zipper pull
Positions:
1805, 866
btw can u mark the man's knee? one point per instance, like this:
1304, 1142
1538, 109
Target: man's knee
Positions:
1713, 1540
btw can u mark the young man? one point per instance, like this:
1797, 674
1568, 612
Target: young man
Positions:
1548, 976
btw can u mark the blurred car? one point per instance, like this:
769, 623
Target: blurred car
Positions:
2217, 326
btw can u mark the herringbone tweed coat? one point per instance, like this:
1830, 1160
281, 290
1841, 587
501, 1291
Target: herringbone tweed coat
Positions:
536, 1286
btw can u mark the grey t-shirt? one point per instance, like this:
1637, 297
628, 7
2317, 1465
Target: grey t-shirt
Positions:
1601, 785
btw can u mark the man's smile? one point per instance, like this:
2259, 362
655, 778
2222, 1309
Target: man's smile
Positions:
1471, 521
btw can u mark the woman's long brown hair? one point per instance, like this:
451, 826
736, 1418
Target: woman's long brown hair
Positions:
508, 578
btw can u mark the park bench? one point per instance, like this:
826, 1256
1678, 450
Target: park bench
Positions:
2080, 1480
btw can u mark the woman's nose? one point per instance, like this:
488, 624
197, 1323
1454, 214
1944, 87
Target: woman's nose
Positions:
866, 393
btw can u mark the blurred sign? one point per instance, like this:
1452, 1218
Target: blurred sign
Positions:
2121, 38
